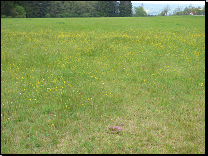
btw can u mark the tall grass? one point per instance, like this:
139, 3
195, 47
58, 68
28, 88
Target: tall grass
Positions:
65, 81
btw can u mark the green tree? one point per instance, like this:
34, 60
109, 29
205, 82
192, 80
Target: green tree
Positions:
90, 9
113, 8
125, 9
29, 9
6, 7
21, 11
129, 10
162, 13
203, 10
82, 8
39, 9
67, 8
74, 9
33, 9
188, 10
43, 8
178, 11
103, 8
198, 11
95, 12
55, 8
108, 8
140, 12
165, 11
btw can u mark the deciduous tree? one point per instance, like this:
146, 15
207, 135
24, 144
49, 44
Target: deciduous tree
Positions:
140, 12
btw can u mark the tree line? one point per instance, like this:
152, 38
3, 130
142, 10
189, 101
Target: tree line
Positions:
64, 9
140, 12
186, 11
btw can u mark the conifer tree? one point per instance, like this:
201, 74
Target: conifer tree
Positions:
125, 9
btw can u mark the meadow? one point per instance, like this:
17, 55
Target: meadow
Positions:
65, 81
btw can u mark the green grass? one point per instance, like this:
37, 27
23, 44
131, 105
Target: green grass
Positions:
64, 81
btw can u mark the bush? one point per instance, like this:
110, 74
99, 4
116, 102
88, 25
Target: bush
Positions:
73, 15
57, 16
21, 11
67, 15
20, 16
96, 14
47, 15
62, 15
3, 16
84, 15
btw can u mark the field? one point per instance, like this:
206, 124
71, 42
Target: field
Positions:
64, 81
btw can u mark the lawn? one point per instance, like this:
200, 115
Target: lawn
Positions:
66, 81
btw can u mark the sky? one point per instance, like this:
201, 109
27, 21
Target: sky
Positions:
169, 2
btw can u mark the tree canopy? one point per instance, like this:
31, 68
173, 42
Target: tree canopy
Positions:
65, 9
40, 9
140, 12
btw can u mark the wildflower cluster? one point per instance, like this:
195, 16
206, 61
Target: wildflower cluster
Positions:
114, 129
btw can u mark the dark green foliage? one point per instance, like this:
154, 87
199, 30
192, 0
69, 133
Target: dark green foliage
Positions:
108, 8
65, 9
47, 15
125, 8
62, 9
58, 15
6, 6
102, 9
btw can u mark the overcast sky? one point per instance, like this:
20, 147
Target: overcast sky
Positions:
169, 2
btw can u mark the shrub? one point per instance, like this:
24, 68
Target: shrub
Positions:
73, 15
62, 15
57, 16
20, 16
3, 16
47, 15
84, 15
67, 15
